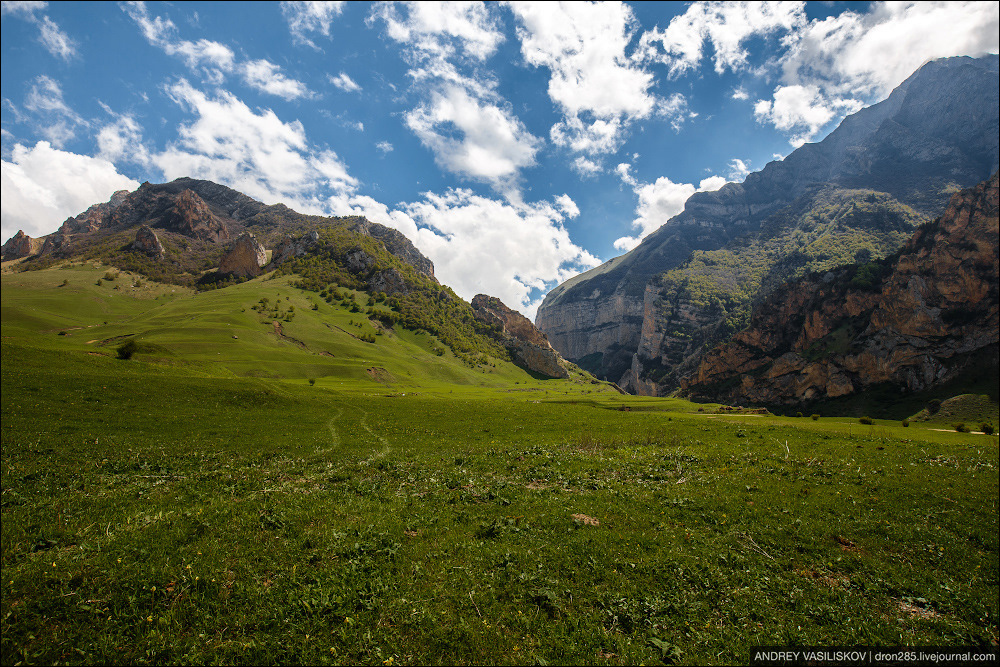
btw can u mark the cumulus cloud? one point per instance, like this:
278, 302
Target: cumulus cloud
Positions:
726, 26
52, 37
471, 137
834, 66
42, 186
310, 17
461, 119
266, 77
252, 151
384, 147
658, 202
121, 140
597, 88
344, 82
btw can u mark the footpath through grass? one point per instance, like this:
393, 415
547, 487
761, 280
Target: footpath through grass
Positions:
156, 517
204, 503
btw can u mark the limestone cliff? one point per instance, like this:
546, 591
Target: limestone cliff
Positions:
244, 258
528, 346
936, 131
912, 321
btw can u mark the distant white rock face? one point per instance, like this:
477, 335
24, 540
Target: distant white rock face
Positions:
245, 258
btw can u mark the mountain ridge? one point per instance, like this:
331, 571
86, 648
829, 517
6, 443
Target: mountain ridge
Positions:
893, 147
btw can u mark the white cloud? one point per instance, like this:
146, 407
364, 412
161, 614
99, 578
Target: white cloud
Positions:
50, 34
711, 184
596, 87
624, 171
740, 94
57, 122
833, 63
585, 167
121, 140
802, 110
727, 26
738, 170
308, 17
384, 147
461, 119
442, 30
254, 152
344, 82
41, 186
474, 138
214, 57
266, 77
658, 202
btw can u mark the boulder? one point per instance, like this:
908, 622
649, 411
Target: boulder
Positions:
244, 258
147, 242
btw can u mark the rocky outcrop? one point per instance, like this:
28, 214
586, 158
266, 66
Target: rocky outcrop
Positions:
938, 129
147, 242
396, 243
528, 346
17, 246
911, 321
290, 248
192, 217
244, 258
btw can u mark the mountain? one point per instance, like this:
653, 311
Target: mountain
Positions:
201, 234
908, 323
885, 169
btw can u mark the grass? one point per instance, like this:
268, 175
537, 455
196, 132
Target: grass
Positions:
176, 508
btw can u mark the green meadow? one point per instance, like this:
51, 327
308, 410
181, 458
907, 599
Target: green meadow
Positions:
272, 478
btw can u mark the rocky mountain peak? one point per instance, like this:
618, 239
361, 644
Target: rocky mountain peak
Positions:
17, 246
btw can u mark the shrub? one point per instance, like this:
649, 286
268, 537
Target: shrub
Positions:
960, 427
866, 420
798, 414
99, 282
815, 417
906, 422
312, 381
986, 428
127, 349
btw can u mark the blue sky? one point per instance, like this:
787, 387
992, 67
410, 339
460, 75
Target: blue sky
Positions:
515, 143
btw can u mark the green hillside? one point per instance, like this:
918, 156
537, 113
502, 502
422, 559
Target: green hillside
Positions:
205, 502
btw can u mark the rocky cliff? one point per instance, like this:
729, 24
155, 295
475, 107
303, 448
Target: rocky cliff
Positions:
17, 246
528, 346
911, 321
244, 258
937, 131
191, 221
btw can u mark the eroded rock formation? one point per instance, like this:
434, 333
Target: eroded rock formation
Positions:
529, 347
912, 321
147, 242
245, 257
17, 246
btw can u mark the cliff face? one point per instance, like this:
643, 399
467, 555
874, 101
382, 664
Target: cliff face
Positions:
938, 129
528, 346
244, 258
17, 246
910, 321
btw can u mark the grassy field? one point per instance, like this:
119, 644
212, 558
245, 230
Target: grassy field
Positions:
204, 502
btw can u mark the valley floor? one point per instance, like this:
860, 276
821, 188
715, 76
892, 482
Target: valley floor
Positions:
157, 511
